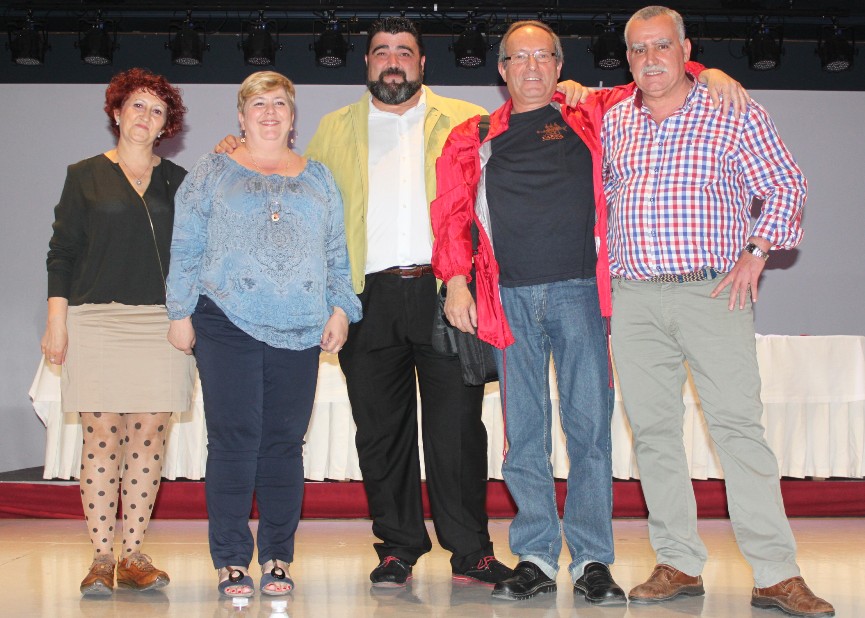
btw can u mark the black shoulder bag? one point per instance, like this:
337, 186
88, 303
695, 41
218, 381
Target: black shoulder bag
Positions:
476, 356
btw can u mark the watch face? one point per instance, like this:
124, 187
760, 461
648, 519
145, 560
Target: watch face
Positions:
756, 251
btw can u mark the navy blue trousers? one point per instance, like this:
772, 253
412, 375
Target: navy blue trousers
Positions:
257, 404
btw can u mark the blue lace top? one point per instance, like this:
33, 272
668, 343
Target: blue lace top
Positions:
277, 280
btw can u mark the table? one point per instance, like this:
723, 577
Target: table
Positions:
813, 409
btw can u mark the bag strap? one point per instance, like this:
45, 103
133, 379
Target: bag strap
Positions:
483, 129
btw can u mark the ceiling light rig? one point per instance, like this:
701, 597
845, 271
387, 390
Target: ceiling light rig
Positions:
260, 41
470, 47
187, 41
331, 46
764, 45
28, 42
836, 47
608, 48
97, 40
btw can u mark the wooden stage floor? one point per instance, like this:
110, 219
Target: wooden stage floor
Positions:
43, 561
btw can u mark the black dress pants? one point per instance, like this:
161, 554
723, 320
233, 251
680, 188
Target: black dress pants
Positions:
387, 355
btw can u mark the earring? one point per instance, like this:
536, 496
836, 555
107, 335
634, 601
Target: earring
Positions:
117, 121
160, 134
292, 135
242, 136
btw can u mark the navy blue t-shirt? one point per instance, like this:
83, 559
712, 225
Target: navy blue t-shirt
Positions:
542, 208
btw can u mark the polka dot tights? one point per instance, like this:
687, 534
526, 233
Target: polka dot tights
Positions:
136, 442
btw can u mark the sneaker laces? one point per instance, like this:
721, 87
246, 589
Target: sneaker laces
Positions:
388, 559
141, 561
102, 567
484, 563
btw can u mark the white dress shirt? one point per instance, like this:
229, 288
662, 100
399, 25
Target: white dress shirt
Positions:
397, 225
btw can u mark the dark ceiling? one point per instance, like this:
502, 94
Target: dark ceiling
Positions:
719, 18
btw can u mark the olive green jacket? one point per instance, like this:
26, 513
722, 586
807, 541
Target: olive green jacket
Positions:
342, 144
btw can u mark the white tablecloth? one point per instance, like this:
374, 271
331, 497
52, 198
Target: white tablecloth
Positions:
813, 409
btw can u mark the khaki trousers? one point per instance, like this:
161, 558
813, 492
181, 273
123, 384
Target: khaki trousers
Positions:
656, 327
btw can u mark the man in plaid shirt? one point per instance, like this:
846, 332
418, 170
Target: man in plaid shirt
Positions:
680, 177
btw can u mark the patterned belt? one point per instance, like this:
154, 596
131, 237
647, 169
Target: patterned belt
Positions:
698, 275
408, 272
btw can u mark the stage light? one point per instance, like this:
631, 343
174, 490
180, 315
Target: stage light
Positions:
259, 45
608, 48
764, 46
836, 47
187, 42
470, 47
331, 47
28, 42
97, 40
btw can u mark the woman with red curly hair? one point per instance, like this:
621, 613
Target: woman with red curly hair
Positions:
107, 323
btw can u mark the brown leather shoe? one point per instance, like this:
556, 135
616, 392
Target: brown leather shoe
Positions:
137, 572
100, 580
792, 596
666, 583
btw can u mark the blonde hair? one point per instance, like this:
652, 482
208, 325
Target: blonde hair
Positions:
264, 81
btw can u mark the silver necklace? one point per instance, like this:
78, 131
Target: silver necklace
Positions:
131, 171
274, 206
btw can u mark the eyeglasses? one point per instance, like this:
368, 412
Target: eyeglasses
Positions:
541, 56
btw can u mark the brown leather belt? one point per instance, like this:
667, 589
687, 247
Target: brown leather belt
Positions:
408, 272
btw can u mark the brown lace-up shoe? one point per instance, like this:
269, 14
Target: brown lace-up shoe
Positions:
666, 583
100, 579
136, 571
792, 596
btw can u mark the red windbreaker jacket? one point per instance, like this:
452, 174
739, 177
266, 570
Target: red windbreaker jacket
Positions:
460, 199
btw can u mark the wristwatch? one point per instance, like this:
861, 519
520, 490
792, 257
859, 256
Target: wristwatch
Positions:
756, 251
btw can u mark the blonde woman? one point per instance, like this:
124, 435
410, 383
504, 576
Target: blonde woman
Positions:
259, 285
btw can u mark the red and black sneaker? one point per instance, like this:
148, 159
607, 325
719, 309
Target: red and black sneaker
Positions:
392, 572
488, 571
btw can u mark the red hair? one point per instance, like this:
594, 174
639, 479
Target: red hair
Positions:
126, 82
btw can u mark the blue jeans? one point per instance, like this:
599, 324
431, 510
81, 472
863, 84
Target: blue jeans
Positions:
562, 318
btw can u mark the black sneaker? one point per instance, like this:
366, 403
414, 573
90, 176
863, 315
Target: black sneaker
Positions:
527, 581
597, 586
390, 573
487, 571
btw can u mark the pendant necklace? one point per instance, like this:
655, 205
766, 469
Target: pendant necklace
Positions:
274, 206
131, 171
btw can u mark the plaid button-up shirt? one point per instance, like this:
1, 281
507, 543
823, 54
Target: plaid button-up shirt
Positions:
680, 193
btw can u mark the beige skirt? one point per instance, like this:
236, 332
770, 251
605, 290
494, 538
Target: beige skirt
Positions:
119, 360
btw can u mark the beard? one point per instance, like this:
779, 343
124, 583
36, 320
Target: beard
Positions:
394, 93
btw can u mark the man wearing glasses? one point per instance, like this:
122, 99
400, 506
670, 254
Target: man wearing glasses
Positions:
534, 185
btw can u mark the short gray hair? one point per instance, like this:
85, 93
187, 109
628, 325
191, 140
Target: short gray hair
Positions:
649, 12
557, 43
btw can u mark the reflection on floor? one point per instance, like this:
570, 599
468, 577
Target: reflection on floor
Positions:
43, 561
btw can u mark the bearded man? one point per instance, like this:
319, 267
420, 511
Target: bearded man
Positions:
382, 151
